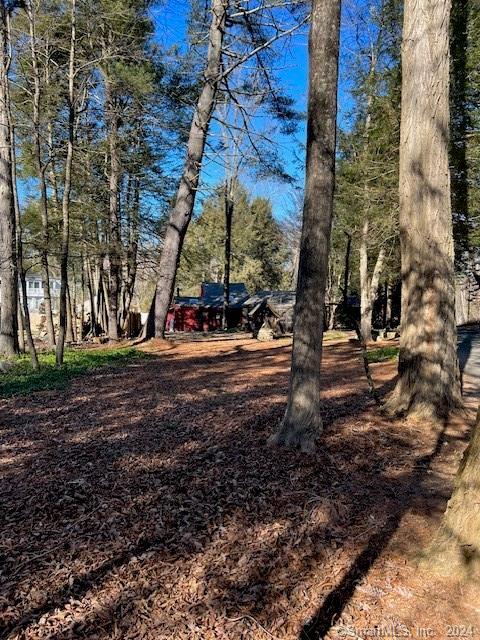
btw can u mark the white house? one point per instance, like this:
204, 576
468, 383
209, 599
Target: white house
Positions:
35, 293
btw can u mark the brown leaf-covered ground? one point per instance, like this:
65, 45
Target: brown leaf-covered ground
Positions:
144, 503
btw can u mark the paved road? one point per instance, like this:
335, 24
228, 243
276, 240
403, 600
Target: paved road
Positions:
469, 359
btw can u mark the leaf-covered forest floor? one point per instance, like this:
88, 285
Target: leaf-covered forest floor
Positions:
22, 379
143, 503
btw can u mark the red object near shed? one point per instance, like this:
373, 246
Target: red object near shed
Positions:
205, 312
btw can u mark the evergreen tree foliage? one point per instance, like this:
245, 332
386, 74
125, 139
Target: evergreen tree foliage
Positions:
465, 125
258, 247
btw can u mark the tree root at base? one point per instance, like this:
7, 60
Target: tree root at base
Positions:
301, 436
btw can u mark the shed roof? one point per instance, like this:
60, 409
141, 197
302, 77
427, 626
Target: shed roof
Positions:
212, 294
187, 301
287, 297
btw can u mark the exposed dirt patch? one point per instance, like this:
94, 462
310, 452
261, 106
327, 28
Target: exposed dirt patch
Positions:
144, 503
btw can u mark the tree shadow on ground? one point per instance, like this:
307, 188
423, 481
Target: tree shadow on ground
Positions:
145, 502
336, 601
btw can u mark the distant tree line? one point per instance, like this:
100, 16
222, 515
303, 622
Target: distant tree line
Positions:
95, 118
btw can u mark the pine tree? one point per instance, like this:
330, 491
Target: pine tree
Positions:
302, 423
428, 382
235, 37
367, 199
455, 547
257, 246
8, 267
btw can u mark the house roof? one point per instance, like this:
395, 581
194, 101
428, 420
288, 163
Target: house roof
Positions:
279, 302
187, 301
212, 294
279, 296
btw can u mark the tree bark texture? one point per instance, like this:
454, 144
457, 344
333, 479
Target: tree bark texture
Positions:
346, 272
132, 251
71, 329
302, 422
67, 187
428, 384
455, 549
20, 327
20, 264
40, 169
368, 285
114, 253
229, 205
8, 272
91, 297
181, 213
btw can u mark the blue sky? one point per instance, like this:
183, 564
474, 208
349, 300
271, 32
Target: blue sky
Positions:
170, 21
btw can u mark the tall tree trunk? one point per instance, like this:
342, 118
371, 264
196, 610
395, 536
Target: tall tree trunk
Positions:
114, 264
429, 382
66, 193
132, 251
365, 300
21, 326
365, 285
385, 304
388, 306
455, 549
331, 318
334, 305
102, 295
296, 260
70, 334
51, 153
91, 297
368, 286
185, 200
346, 272
8, 272
73, 304
228, 250
82, 292
302, 422
24, 310
40, 169
21, 269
